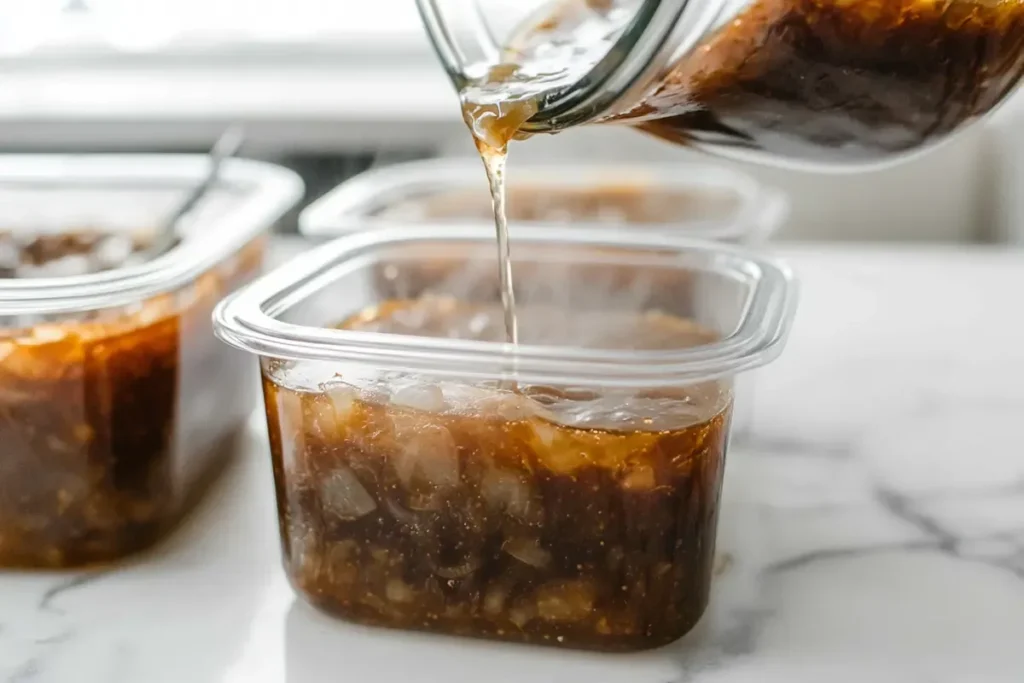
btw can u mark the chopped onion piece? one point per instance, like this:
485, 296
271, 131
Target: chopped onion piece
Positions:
528, 551
344, 496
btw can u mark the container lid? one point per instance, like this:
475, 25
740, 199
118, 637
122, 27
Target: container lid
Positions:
752, 211
49, 193
258, 318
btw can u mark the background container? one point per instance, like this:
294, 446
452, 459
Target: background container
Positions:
416, 489
116, 403
697, 200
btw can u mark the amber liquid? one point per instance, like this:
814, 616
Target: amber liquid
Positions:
833, 81
548, 516
493, 126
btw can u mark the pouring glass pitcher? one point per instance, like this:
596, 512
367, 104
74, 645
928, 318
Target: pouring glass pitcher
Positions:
839, 84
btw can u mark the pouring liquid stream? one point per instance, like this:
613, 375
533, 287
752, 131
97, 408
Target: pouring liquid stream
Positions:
496, 105
493, 126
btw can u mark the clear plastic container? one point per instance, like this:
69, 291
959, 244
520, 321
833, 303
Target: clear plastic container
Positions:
696, 200
554, 492
117, 404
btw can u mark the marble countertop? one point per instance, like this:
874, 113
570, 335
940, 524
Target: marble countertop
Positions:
873, 525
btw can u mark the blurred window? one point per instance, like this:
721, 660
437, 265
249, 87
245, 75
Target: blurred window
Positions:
55, 28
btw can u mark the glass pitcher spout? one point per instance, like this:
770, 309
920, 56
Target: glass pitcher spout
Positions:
607, 56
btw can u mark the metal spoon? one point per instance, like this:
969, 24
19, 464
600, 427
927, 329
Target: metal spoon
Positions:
227, 146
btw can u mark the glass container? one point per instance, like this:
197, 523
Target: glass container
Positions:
809, 83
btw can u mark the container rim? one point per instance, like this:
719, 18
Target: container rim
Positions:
247, 319
267, 192
762, 209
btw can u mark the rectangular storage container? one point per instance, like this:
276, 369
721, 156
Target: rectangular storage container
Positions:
701, 201
561, 491
117, 405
